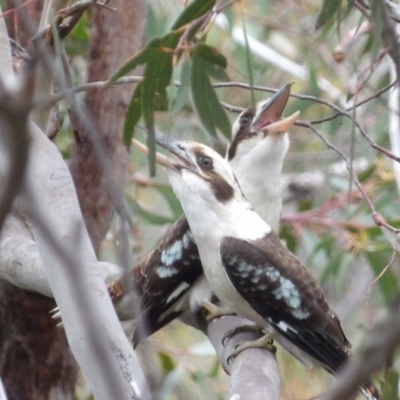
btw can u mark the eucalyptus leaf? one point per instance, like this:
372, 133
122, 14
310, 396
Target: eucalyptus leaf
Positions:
151, 218
390, 390
133, 114
388, 281
209, 109
329, 9
193, 11
183, 89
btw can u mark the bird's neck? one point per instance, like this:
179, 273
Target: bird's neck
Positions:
235, 218
260, 178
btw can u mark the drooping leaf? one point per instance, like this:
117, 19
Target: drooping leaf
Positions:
157, 76
211, 54
133, 114
333, 266
167, 363
205, 100
183, 90
151, 218
328, 11
169, 195
391, 385
248, 63
286, 233
193, 11
376, 13
157, 57
141, 57
218, 73
387, 282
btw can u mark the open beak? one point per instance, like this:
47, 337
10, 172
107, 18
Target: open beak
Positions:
160, 158
174, 147
282, 126
271, 113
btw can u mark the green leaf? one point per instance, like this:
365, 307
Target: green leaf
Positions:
215, 369
167, 363
287, 233
211, 54
133, 114
391, 385
169, 196
157, 76
183, 90
367, 173
149, 217
218, 73
194, 10
205, 100
328, 11
387, 282
248, 64
139, 58
377, 19
333, 266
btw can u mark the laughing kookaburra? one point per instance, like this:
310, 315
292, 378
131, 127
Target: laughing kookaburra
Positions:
170, 279
248, 267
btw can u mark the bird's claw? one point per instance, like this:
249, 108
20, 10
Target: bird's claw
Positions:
243, 328
266, 342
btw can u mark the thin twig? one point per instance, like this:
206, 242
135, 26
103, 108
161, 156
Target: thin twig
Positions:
383, 271
378, 219
339, 111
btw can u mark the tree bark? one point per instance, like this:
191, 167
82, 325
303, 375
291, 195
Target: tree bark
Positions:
115, 37
35, 361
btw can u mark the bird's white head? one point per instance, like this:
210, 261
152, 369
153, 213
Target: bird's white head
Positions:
257, 151
198, 171
209, 192
259, 136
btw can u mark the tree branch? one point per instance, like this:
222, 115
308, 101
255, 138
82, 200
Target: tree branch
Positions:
49, 199
378, 219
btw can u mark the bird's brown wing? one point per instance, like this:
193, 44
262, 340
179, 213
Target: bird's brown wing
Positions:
285, 294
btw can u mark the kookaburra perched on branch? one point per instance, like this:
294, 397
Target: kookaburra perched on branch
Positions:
170, 278
248, 267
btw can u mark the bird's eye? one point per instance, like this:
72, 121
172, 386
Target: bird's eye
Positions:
205, 162
245, 120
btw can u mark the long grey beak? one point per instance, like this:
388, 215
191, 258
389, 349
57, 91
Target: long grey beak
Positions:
272, 110
176, 148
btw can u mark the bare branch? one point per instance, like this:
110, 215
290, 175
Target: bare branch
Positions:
21, 264
255, 372
378, 219
92, 327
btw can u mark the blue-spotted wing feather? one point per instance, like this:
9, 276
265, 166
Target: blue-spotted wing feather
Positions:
163, 277
285, 294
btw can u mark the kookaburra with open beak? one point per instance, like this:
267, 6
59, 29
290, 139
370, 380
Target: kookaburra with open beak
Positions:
170, 279
248, 267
